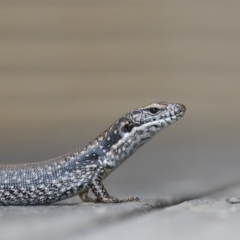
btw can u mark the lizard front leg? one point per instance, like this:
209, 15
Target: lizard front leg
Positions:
102, 195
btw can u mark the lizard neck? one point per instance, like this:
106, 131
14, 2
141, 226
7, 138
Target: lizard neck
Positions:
118, 147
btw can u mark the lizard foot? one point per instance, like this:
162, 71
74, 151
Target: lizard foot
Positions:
117, 200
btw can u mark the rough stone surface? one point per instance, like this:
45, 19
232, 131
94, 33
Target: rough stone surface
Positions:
68, 221
206, 218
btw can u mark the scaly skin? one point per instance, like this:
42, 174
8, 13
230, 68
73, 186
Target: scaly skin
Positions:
77, 172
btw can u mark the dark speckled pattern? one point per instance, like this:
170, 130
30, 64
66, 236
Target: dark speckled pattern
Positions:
84, 169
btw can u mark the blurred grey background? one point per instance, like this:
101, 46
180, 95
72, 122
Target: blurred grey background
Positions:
68, 69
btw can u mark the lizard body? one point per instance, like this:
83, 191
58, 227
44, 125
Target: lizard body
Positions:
83, 169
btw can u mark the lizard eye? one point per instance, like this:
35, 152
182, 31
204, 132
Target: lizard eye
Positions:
153, 110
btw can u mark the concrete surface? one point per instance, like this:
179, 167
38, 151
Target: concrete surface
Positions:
69, 221
207, 218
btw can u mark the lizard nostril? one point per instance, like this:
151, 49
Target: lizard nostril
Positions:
180, 107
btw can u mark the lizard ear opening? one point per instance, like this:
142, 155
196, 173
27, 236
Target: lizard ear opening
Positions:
128, 127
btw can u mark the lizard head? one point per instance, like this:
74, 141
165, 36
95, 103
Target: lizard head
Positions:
143, 123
